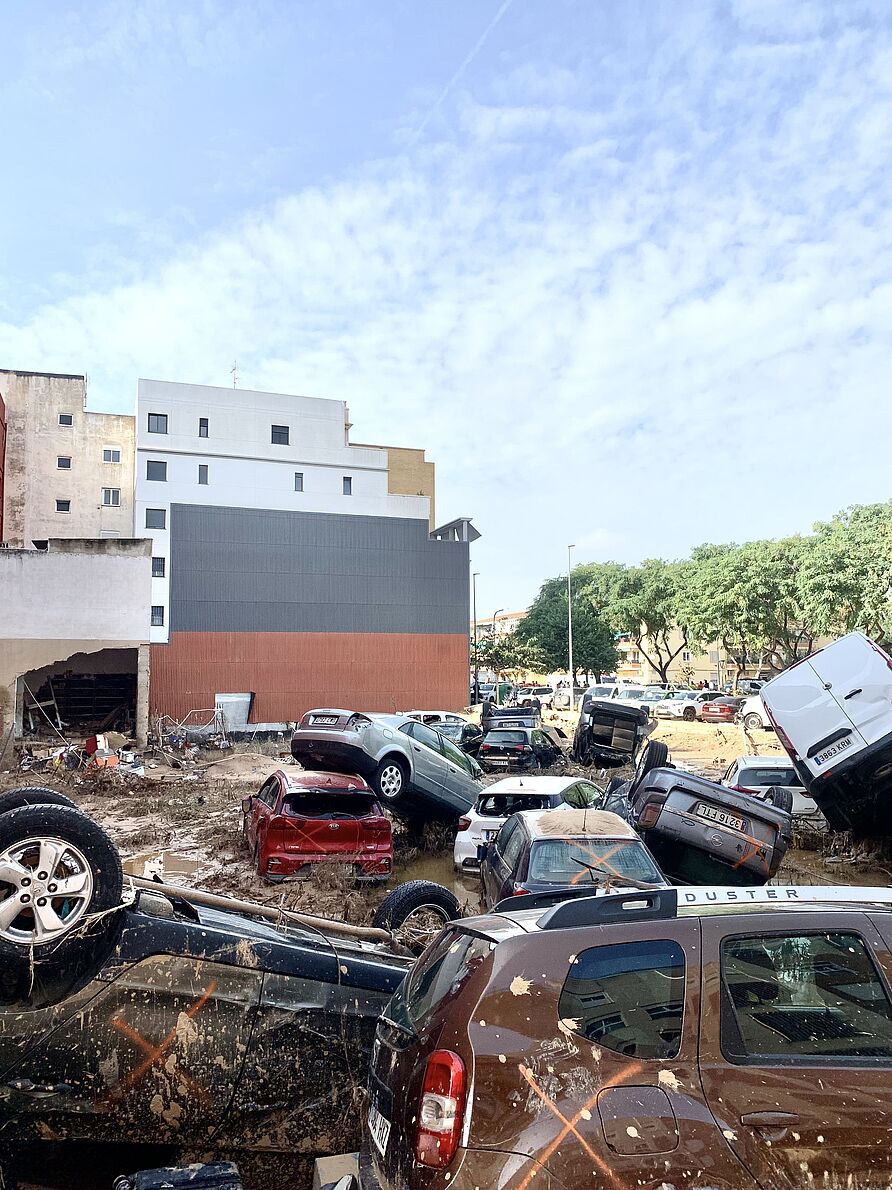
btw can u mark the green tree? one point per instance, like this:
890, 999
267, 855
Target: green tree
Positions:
508, 655
545, 626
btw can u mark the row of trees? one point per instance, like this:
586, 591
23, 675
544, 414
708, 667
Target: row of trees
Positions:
764, 602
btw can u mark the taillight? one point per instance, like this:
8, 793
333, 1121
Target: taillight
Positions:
519, 891
485, 747
649, 815
358, 723
464, 823
441, 1109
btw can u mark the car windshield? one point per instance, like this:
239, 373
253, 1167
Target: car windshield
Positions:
568, 861
759, 777
653, 695
500, 805
451, 730
682, 695
505, 737
632, 692
313, 804
599, 691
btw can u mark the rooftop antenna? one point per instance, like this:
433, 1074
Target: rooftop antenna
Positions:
234, 371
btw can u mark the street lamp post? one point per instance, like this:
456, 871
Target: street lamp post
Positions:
494, 614
474, 578
570, 625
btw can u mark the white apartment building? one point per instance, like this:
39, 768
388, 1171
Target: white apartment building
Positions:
198, 445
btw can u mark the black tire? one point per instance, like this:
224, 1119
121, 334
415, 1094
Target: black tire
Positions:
689, 714
654, 756
780, 798
384, 781
752, 721
33, 795
433, 905
68, 952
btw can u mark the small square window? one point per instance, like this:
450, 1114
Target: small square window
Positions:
156, 518
157, 423
63, 462
202, 473
63, 506
111, 454
279, 436
65, 419
111, 497
158, 567
155, 469
157, 615
202, 427
348, 485
298, 481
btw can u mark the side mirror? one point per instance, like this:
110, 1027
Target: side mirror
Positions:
247, 803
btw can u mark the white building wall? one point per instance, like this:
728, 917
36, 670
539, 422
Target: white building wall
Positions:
245, 468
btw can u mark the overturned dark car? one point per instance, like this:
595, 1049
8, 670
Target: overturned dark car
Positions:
170, 1016
609, 732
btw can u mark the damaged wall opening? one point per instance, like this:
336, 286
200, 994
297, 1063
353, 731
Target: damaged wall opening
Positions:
86, 693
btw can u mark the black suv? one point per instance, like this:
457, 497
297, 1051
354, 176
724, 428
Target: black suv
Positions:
507, 749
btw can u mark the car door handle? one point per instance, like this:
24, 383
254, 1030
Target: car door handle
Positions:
852, 693
772, 1124
415, 748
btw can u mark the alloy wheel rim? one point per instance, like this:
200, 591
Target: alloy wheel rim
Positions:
391, 781
46, 885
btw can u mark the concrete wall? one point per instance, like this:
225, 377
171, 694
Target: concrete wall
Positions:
246, 470
36, 442
410, 474
75, 597
2, 457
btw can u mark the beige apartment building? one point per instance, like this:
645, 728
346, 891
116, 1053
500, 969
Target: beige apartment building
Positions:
688, 668
502, 624
68, 472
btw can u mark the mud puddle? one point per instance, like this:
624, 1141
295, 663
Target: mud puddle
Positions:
441, 870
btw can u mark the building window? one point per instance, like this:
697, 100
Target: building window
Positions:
686, 655
65, 419
158, 567
279, 436
111, 497
63, 462
156, 518
298, 481
348, 485
155, 469
202, 473
157, 423
111, 454
63, 506
157, 615
202, 427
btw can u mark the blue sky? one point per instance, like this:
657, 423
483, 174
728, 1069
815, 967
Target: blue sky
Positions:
622, 268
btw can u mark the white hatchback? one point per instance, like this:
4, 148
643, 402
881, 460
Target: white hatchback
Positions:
758, 773
503, 798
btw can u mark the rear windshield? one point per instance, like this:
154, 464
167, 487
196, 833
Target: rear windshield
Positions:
500, 805
329, 805
506, 737
599, 691
568, 861
452, 730
632, 692
768, 777
440, 973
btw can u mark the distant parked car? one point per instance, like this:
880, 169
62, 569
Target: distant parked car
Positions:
754, 715
721, 710
541, 850
561, 698
518, 748
683, 704
833, 714
435, 718
527, 694
403, 760
504, 798
775, 779
466, 736
298, 820
744, 686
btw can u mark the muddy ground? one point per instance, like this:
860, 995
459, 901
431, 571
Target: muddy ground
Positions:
185, 823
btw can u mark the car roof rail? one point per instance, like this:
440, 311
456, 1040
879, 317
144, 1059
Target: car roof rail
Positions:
655, 904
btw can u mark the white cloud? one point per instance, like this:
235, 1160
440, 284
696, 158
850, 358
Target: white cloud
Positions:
635, 326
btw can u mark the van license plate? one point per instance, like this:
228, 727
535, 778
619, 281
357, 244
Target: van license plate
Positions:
833, 750
379, 1128
722, 817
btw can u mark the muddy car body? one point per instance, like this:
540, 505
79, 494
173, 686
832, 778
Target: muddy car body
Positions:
609, 732
402, 759
737, 1039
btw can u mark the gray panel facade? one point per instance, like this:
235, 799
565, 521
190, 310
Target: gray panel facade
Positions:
253, 570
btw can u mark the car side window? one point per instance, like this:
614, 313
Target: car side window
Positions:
503, 838
269, 791
514, 848
426, 735
628, 998
583, 795
803, 998
455, 755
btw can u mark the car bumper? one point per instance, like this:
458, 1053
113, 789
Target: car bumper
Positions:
471, 1169
506, 764
372, 867
341, 749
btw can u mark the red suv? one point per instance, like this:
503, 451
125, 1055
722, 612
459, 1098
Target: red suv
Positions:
300, 819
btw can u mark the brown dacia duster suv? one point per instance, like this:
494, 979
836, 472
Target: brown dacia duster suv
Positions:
726, 1038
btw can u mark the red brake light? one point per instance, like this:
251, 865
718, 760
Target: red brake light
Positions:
485, 747
520, 891
649, 815
464, 823
441, 1110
